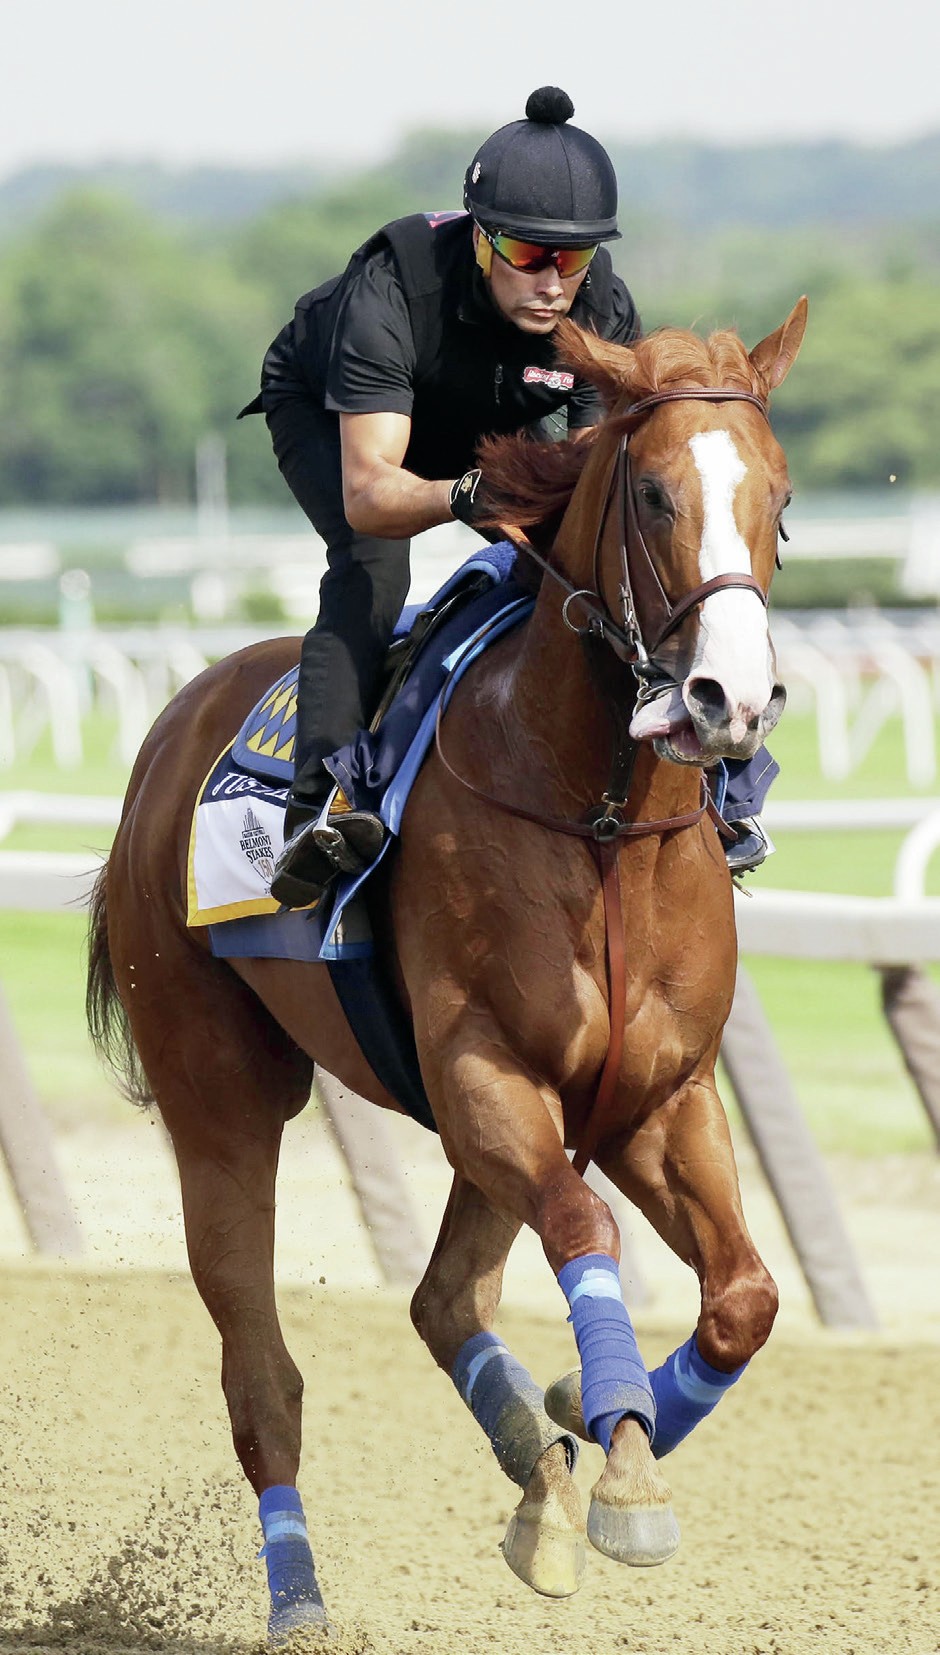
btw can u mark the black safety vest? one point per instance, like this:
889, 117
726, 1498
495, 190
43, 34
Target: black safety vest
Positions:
414, 245
412, 242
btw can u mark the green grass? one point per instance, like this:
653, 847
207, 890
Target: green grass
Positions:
881, 774
100, 771
42, 969
841, 1057
826, 1017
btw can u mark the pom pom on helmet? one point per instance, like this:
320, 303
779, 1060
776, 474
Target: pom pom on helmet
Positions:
549, 104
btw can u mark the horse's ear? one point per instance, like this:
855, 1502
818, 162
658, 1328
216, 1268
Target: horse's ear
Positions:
773, 358
597, 360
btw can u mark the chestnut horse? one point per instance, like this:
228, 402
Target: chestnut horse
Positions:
551, 1007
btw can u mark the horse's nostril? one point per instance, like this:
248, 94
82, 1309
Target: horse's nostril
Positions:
706, 700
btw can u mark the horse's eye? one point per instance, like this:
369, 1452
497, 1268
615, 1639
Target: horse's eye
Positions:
652, 495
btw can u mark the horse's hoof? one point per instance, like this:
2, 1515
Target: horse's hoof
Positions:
563, 1404
551, 1560
639, 1535
298, 1624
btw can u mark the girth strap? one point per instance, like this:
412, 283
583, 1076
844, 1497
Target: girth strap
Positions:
608, 862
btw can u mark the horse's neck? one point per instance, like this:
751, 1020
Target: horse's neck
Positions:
571, 729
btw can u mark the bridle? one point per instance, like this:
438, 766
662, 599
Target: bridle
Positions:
648, 616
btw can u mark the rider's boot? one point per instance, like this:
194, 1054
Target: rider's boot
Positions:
322, 839
750, 847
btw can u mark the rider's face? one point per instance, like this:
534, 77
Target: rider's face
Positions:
533, 301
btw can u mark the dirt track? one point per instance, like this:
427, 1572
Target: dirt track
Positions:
810, 1505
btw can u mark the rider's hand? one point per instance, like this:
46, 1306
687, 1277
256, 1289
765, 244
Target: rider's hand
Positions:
463, 495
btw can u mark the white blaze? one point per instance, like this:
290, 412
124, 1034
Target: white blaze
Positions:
733, 644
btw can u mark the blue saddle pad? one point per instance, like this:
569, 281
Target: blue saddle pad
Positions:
376, 772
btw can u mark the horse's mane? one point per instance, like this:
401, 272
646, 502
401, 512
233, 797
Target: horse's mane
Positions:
530, 483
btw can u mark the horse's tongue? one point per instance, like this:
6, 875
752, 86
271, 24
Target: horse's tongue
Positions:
686, 743
658, 717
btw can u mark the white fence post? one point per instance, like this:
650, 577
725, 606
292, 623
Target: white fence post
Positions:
911, 1004
29, 1151
792, 1163
387, 1210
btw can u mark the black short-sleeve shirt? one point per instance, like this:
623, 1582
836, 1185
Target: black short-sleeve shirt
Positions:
351, 349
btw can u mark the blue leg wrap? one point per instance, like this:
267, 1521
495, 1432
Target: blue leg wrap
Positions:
614, 1381
286, 1549
686, 1388
505, 1400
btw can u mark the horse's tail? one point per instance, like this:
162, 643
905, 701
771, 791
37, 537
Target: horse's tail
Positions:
108, 1022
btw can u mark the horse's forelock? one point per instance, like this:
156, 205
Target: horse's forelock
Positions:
663, 360
674, 357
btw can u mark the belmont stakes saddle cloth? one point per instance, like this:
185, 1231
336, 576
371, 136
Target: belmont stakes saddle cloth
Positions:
238, 825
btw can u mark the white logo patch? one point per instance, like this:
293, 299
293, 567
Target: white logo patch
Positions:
553, 378
255, 841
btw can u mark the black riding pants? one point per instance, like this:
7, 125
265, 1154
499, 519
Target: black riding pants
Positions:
361, 597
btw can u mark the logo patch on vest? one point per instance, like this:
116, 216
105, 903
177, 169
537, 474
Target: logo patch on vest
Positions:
553, 378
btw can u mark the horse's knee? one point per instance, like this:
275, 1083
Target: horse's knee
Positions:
264, 1402
422, 1309
737, 1321
437, 1311
446, 1312
572, 1221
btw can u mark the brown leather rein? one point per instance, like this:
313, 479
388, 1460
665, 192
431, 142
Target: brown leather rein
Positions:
644, 603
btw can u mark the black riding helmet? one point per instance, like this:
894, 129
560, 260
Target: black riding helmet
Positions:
542, 180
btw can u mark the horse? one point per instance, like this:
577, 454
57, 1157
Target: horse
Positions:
557, 920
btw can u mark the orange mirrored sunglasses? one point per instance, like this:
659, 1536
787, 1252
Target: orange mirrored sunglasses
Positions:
530, 256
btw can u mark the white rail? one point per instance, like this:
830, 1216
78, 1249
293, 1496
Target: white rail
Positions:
817, 925
64, 809
842, 815
885, 932
792, 923
46, 881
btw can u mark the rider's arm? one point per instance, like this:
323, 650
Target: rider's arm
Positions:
378, 495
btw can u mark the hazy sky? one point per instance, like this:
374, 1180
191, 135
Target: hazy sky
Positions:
262, 81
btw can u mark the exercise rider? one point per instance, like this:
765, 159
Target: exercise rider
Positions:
377, 393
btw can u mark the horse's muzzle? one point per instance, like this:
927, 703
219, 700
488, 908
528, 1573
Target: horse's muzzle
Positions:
725, 731
697, 726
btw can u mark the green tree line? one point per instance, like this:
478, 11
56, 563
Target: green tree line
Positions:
124, 338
